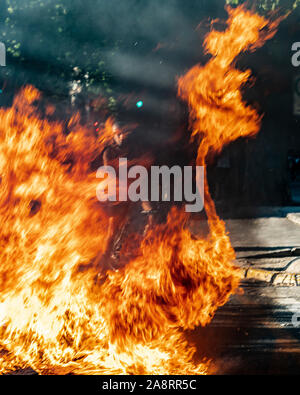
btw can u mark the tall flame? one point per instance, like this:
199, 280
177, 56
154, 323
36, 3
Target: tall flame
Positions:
55, 316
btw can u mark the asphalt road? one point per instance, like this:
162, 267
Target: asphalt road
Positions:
254, 333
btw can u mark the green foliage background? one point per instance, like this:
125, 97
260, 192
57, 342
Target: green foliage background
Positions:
47, 40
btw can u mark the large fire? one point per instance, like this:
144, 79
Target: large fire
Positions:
55, 314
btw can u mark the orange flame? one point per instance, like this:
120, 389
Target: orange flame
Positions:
218, 114
54, 316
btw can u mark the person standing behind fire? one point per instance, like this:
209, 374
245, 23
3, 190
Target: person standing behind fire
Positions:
118, 212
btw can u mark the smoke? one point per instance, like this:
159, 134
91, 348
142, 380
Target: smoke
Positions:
135, 44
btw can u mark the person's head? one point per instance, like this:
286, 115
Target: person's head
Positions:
118, 134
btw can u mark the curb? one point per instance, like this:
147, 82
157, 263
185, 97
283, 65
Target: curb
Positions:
271, 277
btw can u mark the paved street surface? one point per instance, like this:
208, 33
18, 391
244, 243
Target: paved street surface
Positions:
264, 232
253, 333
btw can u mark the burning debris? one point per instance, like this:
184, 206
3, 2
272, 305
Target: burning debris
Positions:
59, 318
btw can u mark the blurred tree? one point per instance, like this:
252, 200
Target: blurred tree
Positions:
63, 46
53, 45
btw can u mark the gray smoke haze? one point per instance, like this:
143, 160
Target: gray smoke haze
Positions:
139, 42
